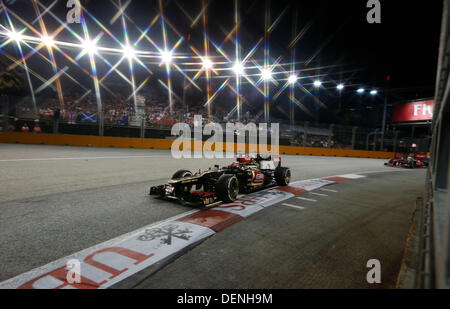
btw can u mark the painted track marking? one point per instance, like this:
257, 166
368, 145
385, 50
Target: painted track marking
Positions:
79, 158
319, 194
329, 190
293, 206
306, 199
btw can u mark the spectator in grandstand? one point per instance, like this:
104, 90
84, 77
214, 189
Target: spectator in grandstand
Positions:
25, 128
118, 110
37, 128
72, 117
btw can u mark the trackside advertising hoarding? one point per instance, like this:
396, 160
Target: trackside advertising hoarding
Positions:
413, 111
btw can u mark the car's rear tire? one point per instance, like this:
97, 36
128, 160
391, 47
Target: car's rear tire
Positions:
227, 188
282, 176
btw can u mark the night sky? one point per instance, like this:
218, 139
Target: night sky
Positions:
347, 49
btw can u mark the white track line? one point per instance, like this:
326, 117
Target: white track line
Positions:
79, 158
293, 206
306, 199
319, 194
329, 190
351, 176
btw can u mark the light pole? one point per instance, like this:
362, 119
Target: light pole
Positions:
184, 95
383, 124
340, 87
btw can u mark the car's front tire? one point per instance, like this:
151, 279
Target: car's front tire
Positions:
283, 176
227, 188
182, 189
181, 174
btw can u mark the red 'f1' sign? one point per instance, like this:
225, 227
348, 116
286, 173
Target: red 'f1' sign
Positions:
413, 111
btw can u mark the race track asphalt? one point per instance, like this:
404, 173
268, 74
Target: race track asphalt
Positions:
57, 200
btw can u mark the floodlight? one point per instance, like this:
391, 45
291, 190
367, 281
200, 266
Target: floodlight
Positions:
166, 56
15, 36
89, 47
266, 74
317, 83
129, 52
292, 79
238, 68
48, 41
207, 64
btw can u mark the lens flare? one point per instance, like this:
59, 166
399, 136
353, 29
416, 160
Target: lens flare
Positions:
266, 74
238, 68
15, 36
207, 64
292, 79
166, 57
129, 52
48, 41
257, 67
89, 47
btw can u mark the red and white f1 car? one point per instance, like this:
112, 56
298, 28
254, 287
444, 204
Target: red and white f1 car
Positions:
410, 161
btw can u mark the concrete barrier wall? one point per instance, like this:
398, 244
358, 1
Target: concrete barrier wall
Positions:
147, 143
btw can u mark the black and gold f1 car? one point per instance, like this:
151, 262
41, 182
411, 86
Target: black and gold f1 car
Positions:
222, 185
